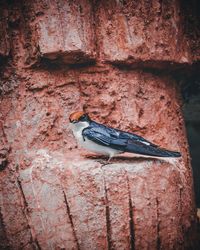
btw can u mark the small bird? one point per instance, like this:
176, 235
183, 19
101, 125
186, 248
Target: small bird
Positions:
105, 140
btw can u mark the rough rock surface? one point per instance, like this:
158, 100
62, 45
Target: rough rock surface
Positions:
36, 124
65, 202
142, 31
52, 197
4, 37
66, 31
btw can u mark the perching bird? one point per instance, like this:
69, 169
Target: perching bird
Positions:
105, 140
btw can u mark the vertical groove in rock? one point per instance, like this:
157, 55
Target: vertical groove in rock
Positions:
4, 147
4, 242
180, 203
23, 195
34, 240
158, 241
37, 245
71, 221
108, 223
131, 217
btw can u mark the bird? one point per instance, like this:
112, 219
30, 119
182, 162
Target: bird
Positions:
105, 140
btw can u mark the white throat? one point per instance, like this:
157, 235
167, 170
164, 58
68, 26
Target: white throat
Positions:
78, 127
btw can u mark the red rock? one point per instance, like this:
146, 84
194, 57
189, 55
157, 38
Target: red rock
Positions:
139, 32
130, 100
54, 198
4, 37
65, 31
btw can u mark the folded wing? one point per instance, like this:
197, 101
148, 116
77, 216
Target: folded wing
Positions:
125, 142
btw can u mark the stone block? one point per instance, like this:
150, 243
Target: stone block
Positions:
121, 204
146, 33
65, 31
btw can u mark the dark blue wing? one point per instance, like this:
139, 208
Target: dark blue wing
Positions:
124, 141
105, 137
120, 133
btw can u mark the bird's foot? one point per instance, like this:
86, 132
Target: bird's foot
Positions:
102, 159
104, 162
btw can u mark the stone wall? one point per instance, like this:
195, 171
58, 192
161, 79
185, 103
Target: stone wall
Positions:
116, 60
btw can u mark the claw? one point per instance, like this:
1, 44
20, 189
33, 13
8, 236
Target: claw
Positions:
110, 157
102, 162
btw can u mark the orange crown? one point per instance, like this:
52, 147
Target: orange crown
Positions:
76, 115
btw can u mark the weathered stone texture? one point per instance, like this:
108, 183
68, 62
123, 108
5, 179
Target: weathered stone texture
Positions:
4, 37
55, 180
148, 33
66, 31
141, 32
52, 197
190, 18
66, 202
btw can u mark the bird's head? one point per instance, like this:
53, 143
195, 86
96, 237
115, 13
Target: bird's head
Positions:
79, 117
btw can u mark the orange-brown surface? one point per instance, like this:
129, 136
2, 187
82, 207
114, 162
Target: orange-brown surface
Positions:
65, 56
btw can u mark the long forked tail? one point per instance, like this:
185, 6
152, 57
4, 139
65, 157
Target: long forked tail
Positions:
143, 149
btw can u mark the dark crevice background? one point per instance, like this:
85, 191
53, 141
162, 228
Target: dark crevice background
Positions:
190, 86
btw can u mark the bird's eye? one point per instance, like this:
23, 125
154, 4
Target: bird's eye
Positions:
82, 117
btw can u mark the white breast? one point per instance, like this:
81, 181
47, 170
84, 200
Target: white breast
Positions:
77, 129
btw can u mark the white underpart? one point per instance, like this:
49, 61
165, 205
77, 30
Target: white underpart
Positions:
77, 129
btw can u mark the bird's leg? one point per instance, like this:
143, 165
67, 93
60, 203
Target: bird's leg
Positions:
110, 157
104, 162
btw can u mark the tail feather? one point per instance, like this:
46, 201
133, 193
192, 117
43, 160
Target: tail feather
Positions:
150, 150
